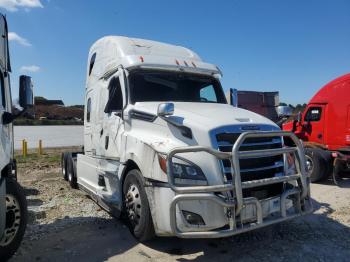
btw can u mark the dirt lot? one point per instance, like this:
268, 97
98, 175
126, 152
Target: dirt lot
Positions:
66, 225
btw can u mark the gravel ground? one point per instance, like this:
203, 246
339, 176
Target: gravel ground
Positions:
66, 225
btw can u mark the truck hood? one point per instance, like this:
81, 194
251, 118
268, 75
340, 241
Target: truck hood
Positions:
208, 115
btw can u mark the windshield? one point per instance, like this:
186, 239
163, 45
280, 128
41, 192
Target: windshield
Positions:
173, 86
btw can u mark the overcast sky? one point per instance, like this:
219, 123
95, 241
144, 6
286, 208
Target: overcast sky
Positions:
290, 46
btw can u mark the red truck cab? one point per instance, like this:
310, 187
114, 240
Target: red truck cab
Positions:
324, 126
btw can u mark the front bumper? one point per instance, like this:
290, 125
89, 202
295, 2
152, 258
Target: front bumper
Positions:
243, 214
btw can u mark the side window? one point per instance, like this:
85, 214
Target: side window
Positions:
207, 94
88, 110
313, 114
115, 96
2, 91
92, 62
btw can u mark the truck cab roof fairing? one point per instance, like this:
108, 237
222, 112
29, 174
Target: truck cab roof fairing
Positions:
113, 51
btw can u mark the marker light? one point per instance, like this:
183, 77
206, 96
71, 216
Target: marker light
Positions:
141, 58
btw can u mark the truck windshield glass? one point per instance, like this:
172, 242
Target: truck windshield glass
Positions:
148, 86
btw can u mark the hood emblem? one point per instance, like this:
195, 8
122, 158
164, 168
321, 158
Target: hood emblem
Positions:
250, 128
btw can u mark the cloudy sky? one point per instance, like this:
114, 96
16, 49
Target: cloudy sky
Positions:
291, 46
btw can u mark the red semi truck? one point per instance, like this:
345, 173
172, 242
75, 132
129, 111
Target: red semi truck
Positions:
324, 126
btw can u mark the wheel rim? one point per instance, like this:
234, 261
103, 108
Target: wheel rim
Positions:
309, 164
133, 204
13, 220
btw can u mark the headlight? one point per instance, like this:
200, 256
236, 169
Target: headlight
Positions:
184, 172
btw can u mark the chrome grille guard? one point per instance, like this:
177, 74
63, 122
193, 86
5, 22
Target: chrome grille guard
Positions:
237, 186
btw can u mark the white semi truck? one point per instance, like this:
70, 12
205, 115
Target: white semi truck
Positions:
13, 205
163, 147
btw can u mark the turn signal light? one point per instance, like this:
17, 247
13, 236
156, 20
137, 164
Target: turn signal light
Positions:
162, 163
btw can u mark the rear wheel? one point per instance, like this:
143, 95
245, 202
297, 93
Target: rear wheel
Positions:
137, 206
64, 165
16, 219
316, 164
71, 171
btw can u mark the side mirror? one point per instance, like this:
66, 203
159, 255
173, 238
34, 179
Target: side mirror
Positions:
7, 118
299, 117
26, 95
284, 111
233, 97
165, 109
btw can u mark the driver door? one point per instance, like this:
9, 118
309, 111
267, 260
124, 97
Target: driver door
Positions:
113, 124
5, 142
314, 120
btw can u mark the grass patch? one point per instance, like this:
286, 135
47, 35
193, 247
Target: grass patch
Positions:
50, 158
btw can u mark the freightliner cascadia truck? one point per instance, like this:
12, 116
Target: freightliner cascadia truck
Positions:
324, 127
163, 147
13, 205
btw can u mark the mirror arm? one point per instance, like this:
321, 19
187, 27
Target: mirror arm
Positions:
21, 112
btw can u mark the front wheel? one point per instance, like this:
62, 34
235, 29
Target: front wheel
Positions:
316, 165
137, 206
16, 219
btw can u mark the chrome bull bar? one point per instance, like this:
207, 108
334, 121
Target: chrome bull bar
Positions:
238, 202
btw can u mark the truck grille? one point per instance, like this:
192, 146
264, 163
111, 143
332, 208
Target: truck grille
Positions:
254, 168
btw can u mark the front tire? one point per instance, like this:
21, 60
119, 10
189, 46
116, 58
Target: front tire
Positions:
137, 207
317, 165
16, 219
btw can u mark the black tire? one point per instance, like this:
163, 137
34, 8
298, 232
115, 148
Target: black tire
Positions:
16, 219
64, 165
71, 172
141, 225
317, 163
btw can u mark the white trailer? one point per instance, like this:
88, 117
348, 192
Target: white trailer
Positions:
13, 205
162, 146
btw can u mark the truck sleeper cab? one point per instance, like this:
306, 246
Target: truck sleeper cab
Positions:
324, 126
13, 205
162, 145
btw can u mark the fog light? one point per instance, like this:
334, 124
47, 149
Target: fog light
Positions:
193, 218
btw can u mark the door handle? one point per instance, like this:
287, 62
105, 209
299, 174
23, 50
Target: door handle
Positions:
106, 142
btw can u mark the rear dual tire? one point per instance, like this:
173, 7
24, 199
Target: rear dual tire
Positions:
68, 169
71, 172
64, 165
